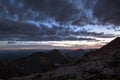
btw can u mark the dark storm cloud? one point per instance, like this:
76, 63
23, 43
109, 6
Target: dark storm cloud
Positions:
16, 30
44, 20
12, 27
61, 10
11, 30
77, 12
108, 11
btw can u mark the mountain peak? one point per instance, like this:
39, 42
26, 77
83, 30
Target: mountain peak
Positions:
114, 44
116, 40
54, 51
106, 51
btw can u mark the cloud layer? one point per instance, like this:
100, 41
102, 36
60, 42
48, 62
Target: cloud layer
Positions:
56, 20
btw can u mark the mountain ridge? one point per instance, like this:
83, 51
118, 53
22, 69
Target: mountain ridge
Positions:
102, 64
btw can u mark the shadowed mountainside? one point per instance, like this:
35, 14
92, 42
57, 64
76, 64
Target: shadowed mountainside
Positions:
102, 64
37, 62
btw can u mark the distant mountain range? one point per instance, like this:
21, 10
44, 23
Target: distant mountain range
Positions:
20, 63
102, 64
37, 62
15, 54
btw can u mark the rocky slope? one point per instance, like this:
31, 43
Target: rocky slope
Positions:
103, 64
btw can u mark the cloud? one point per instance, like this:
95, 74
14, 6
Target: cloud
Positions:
11, 30
55, 20
16, 30
77, 12
107, 11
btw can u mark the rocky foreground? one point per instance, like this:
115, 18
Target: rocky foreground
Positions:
102, 64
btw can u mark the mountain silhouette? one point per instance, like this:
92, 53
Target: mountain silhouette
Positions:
102, 64
35, 63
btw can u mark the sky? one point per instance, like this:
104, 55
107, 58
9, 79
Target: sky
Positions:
60, 24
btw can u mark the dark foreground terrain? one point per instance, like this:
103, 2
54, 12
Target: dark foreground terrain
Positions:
102, 64
22, 63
